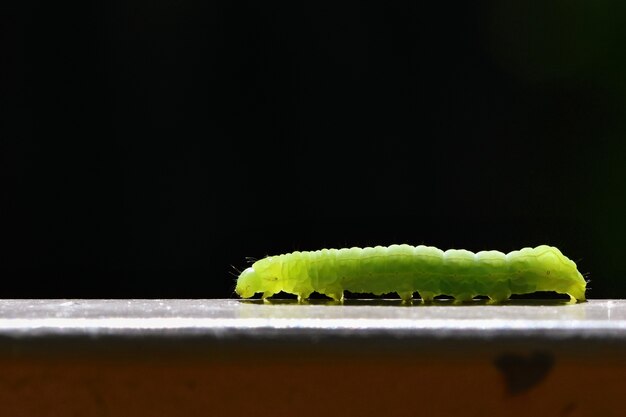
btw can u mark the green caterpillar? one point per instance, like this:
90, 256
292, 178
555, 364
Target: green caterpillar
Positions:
405, 269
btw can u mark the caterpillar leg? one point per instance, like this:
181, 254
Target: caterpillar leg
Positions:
302, 297
427, 296
463, 297
499, 296
406, 296
335, 295
267, 294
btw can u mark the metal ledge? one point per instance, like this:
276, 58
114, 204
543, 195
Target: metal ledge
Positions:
244, 322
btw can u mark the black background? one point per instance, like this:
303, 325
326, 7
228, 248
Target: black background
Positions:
151, 146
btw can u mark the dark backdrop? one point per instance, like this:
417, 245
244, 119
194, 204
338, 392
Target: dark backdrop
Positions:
151, 146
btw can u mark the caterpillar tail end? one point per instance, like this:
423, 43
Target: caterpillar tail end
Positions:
577, 290
577, 295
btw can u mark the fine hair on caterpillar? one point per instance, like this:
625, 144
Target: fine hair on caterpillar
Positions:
406, 269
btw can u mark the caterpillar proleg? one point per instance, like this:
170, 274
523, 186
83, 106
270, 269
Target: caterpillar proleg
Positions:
407, 269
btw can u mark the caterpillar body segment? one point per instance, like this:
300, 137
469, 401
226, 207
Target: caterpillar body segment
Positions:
406, 269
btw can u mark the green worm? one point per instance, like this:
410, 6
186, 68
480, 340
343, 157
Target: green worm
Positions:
405, 269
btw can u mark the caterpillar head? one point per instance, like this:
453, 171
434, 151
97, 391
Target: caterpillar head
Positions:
262, 276
248, 283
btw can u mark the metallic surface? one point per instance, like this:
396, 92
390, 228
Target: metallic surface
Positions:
595, 319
